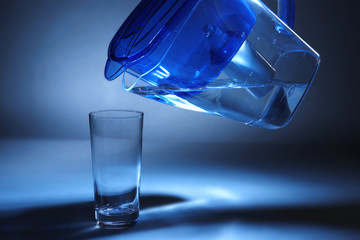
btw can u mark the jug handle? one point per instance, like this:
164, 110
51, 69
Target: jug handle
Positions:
286, 12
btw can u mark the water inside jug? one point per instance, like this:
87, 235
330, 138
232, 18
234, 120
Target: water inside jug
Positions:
232, 58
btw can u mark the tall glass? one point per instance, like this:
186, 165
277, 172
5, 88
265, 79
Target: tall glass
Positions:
116, 148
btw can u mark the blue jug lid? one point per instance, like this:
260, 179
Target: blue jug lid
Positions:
140, 34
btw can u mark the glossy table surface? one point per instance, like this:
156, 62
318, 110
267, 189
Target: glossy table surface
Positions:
188, 191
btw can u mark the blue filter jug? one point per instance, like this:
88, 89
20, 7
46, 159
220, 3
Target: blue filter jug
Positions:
232, 58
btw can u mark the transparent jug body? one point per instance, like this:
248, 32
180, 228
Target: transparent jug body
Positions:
234, 59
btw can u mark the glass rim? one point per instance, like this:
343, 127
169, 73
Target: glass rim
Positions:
121, 114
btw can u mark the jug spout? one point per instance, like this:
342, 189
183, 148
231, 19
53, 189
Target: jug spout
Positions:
113, 69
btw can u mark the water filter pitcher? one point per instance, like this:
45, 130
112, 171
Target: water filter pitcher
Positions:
232, 58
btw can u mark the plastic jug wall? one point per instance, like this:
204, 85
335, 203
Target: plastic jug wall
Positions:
235, 59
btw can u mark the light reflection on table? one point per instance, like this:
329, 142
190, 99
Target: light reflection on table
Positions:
189, 191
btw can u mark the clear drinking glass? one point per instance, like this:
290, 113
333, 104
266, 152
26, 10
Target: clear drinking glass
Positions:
116, 149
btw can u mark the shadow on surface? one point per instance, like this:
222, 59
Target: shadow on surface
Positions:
62, 222
76, 221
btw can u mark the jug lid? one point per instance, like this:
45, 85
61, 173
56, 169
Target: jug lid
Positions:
141, 33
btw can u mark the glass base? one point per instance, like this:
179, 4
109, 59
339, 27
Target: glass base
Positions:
116, 225
121, 221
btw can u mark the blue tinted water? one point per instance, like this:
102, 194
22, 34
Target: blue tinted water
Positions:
231, 102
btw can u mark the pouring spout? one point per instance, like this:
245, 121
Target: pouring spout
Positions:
113, 69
